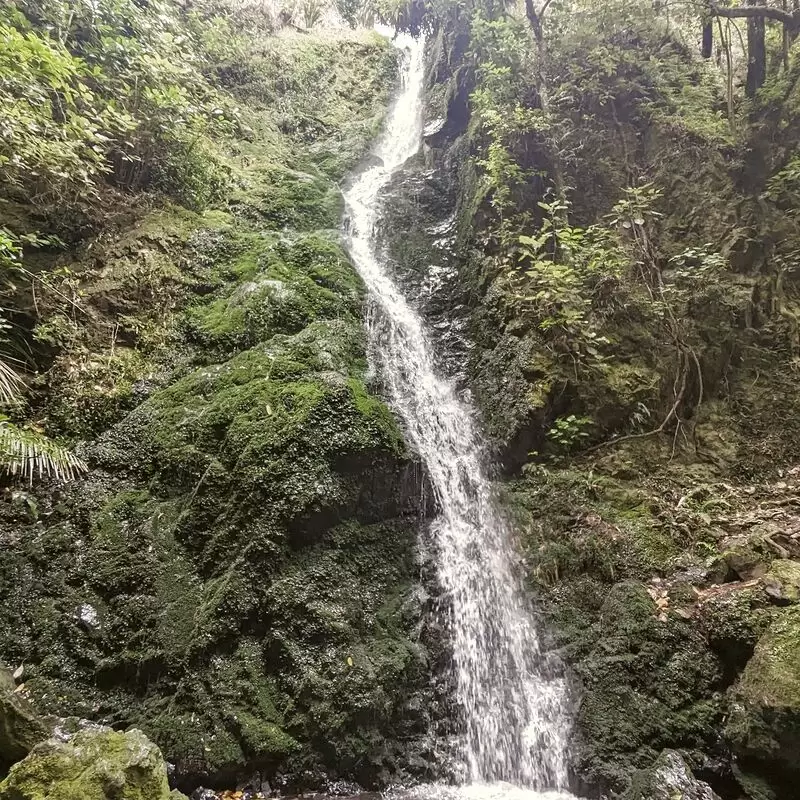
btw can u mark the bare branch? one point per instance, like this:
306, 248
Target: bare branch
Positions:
544, 8
790, 19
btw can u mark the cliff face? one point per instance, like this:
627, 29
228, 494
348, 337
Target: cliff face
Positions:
626, 278
236, 573
610, 266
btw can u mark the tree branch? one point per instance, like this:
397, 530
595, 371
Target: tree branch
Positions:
790, 19
544, 8
535, 20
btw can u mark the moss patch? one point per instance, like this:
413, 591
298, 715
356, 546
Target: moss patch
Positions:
92, 764
235, 576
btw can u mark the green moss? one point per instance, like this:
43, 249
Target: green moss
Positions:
766, 718
235, 575
583, 522
282, 197
783, 578
282, 286
94, 764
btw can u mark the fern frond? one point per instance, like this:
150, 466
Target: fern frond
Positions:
27, 454
10, 384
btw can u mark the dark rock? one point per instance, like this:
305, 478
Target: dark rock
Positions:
20, 726
203, 794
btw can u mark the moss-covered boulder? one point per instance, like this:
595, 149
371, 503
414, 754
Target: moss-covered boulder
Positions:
20, 726
94, 763
782, 581
648, 682
668, 779
237, 574
764, 723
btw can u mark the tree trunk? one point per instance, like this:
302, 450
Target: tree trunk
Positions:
708, 39
535, 20
756, 53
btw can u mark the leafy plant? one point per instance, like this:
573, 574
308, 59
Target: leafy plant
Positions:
635, 208
27, 453
312, 12
567, 432
556, 267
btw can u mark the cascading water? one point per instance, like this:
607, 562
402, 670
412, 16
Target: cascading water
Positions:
513, 712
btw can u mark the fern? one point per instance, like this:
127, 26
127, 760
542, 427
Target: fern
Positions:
27, 454
10, 384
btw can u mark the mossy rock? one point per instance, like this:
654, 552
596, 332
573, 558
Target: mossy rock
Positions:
235, 576
281, 197
668, 779
733, 622
648, 683
283, 286
764, 723
93, 764
782, 582
741, 561
286, 407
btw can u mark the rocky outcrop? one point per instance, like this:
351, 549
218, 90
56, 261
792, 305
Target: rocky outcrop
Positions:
668, 779
764, 722
20, 726
237, 575
655, 502
90, 763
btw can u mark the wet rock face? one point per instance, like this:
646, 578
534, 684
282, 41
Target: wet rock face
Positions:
418, 231
92, 763
20, 726
764, 723
668, 779
237, 576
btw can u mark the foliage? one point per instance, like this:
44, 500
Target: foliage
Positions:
567, 432
111, 93
557, 270
356, 13
784, 185
26, 453
100, 102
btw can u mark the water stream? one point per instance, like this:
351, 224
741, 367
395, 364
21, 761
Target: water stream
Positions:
513, 710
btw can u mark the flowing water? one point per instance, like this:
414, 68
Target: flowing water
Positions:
513, 711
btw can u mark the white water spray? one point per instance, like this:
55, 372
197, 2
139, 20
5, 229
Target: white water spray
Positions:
513, 712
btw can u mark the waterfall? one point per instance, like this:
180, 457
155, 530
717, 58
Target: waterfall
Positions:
513, 710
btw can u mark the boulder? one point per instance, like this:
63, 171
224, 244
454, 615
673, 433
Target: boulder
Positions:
20, 726
782, 582
764, 723
94, 763
668, 779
